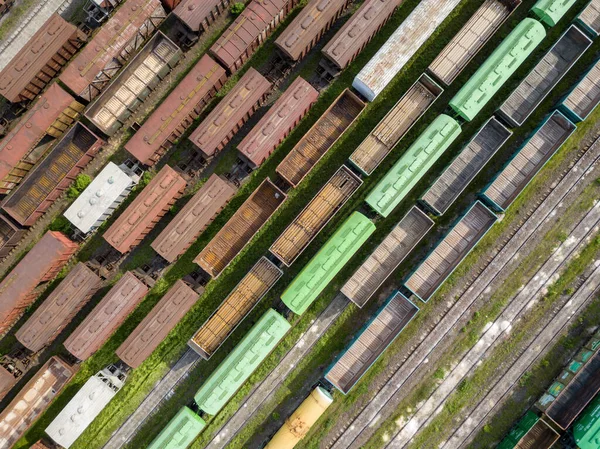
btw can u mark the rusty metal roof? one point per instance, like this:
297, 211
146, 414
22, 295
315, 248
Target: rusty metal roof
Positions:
278, 122
203, 80
145, 211
194, 12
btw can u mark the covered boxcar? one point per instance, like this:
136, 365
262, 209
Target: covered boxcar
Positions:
195, 16
584, 97
585, 430
180, 432
551, 11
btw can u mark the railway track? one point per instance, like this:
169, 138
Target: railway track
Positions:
358, 429
517, 307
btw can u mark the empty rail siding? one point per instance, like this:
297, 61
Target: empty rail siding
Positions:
357, 429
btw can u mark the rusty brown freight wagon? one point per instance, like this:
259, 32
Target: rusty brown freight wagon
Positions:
320, 138
40, 60
128, 90
10, 235
231, 113
308, 27
33, 399
111, 47
278, 122
154, 328
471, 38
46, 182
106, 317
241, 227
305, 227
27, 142
195, 16
177, 112
146, 210
238, 304
249, 31
194, 218
388, 132
58, 309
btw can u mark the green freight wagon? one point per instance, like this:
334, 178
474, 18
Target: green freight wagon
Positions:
587, 428
498, 68
330, 259
551, 11
519, 431
180, 432
239, 365
411, 167
531, 432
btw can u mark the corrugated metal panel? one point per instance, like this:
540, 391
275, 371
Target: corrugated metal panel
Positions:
590, 18
401, 46
198, 14
154, 328
320, 138
308, 223
327, 263
33, 399
526, 163
40, 60
45, 183
231, 113
413, 165
238, 304
451, 251
544, 76
470, 39
194, 218
498, 68
463, 169
51, 115
106, 317
551, 11
145, 211
357, 32
308, 27
584, 98
241, 227
74, 291
388, 132
239, 365
372, 341
177, 112
278, 122
40, 264
180, 432
390, 253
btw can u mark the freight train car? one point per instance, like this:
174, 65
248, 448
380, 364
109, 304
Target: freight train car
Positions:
177, 112
356, 33
195, 16
226, 119
590, 18
10, 235
38, 62
584, 97
498, 68
241, 227
451, 251
551, 11
27, 142
530, 432
128, 90
154, 328
145, 211
180, 432
5, 5
401, 46
528, 161
478, 30
106, 317
396, 123
194, 218
33, 399
585, 430
110, 48
388, 255
320, 138
238, 304
278, 122
249, 30
46, 182
308, 28
467, 164
413, 165
371, 342
544, 76
317, 213
327, 263
87, 403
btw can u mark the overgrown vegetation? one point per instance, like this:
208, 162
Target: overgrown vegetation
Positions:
81, 182
237, 8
